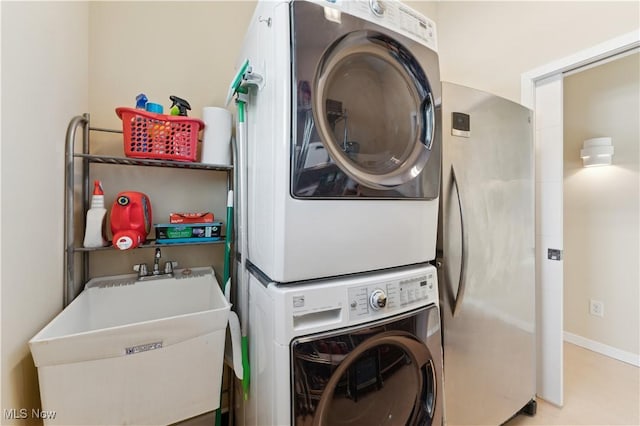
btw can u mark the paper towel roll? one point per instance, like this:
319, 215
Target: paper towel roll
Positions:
216, 141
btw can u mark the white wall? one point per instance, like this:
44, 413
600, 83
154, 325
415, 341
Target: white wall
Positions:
601, 205
189, 49
44, 81
488, 45
192, 54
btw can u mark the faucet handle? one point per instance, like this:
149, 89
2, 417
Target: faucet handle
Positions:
169, 265
141, 269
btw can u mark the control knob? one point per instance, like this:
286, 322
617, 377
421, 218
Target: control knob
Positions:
378, 299
377, 7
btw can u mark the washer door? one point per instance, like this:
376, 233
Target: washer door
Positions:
388, 379
374, 109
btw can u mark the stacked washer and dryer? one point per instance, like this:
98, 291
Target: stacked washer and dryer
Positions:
342, 158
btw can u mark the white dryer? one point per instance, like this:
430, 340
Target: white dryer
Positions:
343, 151
361, 350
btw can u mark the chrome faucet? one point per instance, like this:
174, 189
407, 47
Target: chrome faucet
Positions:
156, 272
156, 262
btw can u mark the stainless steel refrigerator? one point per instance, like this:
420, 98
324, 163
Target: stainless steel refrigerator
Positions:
486, 257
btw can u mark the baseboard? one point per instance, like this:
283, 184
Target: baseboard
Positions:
601, 348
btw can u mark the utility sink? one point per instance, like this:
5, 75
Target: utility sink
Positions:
134, 352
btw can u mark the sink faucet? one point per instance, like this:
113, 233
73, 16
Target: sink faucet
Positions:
156, 262
156, 272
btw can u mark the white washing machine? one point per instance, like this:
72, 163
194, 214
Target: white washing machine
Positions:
343, 151
360, 351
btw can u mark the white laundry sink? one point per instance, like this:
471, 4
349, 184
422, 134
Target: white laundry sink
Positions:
134, 352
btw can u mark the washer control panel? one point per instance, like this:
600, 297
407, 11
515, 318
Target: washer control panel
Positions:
390, 297
377, 7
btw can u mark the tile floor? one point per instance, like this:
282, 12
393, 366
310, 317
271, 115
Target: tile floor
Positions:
598, 390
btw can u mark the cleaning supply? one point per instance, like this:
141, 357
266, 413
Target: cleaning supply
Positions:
201, 217
234, 321
172, 233
94, 235
242, 144
153, 107
179, 106
141, 101
131, 219
245, 78
227, 248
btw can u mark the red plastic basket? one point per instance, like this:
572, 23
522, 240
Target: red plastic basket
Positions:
158, 136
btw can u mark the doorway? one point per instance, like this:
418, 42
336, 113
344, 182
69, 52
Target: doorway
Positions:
601, 229
542, 90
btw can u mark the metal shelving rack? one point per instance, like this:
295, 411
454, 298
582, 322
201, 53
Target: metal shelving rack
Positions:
72, 156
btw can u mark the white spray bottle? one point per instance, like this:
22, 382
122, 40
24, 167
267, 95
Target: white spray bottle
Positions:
94, 235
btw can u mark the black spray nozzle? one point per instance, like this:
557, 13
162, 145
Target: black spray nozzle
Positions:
179, 106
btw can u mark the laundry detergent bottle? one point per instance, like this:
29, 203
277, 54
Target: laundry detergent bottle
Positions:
95, 229
131, 219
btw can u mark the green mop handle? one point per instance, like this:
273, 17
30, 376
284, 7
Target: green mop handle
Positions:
226, 274
244, 340
227, 250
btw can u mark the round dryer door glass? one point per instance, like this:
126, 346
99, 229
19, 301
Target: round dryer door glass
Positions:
374, 109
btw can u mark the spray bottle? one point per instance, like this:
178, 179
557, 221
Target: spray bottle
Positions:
179, 106
141, 101
95, 231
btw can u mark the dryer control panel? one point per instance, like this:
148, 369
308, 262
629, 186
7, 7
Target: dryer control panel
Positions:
392, 14
389, 297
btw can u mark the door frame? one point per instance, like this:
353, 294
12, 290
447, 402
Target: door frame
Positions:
542, 91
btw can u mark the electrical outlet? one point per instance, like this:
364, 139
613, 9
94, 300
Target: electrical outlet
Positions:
596, 308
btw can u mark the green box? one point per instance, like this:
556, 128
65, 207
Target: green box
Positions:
195, 231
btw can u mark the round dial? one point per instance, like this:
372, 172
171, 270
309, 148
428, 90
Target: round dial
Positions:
377, 7
378, 299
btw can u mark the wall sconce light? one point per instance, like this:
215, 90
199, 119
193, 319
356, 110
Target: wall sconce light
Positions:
596, 152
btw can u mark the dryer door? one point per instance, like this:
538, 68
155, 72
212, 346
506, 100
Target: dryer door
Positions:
367, 116
374, 110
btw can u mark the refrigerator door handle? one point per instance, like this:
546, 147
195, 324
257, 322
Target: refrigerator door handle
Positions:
462, 281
